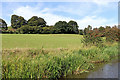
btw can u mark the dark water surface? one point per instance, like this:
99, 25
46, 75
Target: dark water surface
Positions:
102, 70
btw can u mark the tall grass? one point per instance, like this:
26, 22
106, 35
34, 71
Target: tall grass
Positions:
42, 63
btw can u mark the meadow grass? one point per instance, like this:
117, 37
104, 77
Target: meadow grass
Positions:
40, 40
65, 55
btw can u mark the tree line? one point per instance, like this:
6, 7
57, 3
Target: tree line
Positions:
37, 25
94, 36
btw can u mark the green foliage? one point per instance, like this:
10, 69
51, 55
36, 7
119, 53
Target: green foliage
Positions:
26, 29
3, 25
60, 27
101, 28
36, 21
63, 27
92, 37
102, 31
47, 30
87, 29
41, 63
10, 30
112, 34
73, 27
81, 32
17, 21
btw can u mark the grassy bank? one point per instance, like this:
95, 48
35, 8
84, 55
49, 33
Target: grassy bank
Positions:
53, 63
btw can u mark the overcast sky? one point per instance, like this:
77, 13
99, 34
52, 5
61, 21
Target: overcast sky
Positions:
95, 13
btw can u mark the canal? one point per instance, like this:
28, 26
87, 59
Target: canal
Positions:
102, 70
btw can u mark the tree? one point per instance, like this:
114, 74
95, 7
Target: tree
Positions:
3, 24
36, 21
89, 27
81, 32
73, 27
101, 28
108, 27
102, 31
92, 38
61, 27
17, 21
112, 34
26, 29
86, 30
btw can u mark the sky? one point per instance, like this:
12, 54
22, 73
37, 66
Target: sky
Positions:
95, 12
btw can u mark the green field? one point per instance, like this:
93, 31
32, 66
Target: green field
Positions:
41, 40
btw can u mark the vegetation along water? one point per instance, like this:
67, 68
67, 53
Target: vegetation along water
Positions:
46, 61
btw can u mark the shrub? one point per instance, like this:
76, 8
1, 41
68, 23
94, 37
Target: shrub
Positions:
112, 34
92, 38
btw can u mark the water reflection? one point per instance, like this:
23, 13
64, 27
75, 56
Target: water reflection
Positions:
107, 71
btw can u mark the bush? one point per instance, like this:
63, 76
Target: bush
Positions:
112, 34
29, 29
92, 38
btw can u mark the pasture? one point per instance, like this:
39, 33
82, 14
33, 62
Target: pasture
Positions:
41, 41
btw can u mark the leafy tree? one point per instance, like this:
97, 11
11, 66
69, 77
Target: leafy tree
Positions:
81, 32
89, 27
36, 21
95, 29
101, 28
47, 30
26, 29
64, 27
108, 27
86, 30
3, 24
102, 31
61, 27
17, 21
73, 27
92, 38
112, 34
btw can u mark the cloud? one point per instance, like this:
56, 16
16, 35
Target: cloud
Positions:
94, 21
75, 8
101, 2
27, 12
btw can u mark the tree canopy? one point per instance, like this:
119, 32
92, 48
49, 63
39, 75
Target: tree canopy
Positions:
73, 27
63, 27
36, 21
17, 21
3, 24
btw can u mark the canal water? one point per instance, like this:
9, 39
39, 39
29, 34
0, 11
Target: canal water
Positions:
109, 70
102, 70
